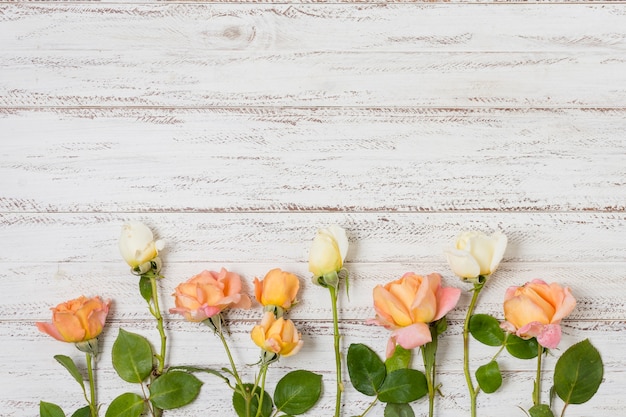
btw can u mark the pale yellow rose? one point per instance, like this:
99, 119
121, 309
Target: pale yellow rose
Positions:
328, 251
137, 245
476, 254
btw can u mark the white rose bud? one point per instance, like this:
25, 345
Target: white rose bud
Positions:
476, 254
137, 245
328, 251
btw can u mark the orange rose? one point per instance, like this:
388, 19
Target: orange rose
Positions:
277, 335
408, 305
207, 294
77, 320
536, 310
278, 288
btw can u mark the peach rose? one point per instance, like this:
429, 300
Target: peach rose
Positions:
408, 305
207, 294
278, 288
77, 320
277, 335
536, 310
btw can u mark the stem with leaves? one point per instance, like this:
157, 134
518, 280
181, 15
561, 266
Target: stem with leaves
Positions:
473, 391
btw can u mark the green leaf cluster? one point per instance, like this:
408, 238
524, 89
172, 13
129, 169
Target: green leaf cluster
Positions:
391, 382
296, 393
133, 360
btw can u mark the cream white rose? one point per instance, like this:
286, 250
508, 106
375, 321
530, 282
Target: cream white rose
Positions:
137, 244
475, 254
328, 251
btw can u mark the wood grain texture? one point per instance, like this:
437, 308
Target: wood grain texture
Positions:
236, 128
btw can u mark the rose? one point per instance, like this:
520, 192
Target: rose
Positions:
138, 247
476, 254
78, 320
277, 335
536, 310
328, 251
207, 294
408, 305
278, 288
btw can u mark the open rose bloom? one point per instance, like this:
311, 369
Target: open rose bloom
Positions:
278, 288
407, 306
536, 310
207, 294
277, 335
78, 320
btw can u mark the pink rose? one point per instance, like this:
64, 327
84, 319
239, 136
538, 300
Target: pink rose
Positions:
536, 310
408, 305
207, 294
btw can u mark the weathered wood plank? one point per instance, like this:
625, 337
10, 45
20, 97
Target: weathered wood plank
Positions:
35, 287
98, 55
388, 27
285, 237
313, 159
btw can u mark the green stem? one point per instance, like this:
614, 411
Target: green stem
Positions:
563, 411
429, 367
156, 312
367, 410
262, 393
473, 392
218, 330
337, 337
537, 390
93, 405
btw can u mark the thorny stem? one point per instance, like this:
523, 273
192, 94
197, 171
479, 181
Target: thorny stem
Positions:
337, 337
473, 392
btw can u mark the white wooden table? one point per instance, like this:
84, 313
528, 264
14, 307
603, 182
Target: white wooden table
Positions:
236, 129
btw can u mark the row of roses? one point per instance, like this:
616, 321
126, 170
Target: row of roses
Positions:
413, 308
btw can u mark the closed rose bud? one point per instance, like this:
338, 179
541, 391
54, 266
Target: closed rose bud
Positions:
476, 254
277, 335
328, 251
207, 294
278, 288
137, 245
536, 310
77, 320
407, 306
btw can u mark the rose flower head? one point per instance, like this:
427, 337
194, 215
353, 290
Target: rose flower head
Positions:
407, 306
476, 254
207, 294
78, 320
138, 247
278, 336
277, 289
536, 310
328, 252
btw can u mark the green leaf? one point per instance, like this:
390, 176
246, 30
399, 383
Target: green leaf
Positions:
489, 377
400, 359
132, 357
174, 389
540, 410
578, 373
126, 405
82, 412
367, 371
398, 410
50, 410
486, 329
69, 364
145, 288
403, 386
520, 348
239, 403
297, 392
